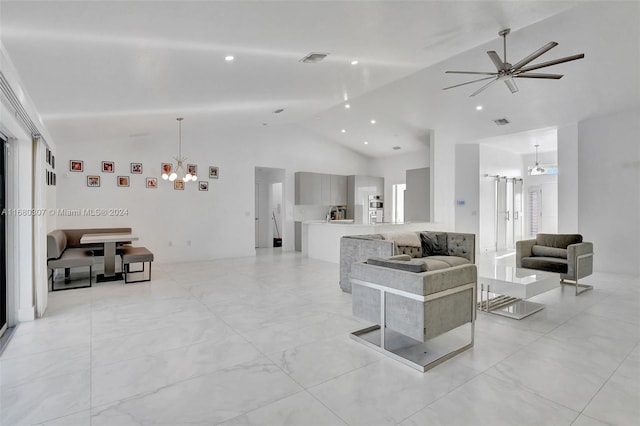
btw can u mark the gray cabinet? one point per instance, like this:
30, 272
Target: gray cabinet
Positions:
320, 189
308, 188
338, 190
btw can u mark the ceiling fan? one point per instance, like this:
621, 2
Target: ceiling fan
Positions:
507, 72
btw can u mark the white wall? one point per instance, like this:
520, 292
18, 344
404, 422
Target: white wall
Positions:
467, 189
442, 164
393, 169
609, 190
218, 223
568, 179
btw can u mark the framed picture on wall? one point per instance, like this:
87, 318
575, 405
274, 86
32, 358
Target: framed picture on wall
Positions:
48, 156
123, 180
178, 184
165, 169
213, 172
48, 178
53, 161
203, 185
76, 166
54, 179
93, 181
192, 169
152, 182
136, 168
107, 167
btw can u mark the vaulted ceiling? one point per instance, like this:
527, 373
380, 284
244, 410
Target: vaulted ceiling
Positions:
117, 69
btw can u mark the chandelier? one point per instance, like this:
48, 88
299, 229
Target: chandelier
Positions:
537, 170
180, 170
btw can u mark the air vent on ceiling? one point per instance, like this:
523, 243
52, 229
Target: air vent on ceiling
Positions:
501, 121
278, 111
313, 58
397, 148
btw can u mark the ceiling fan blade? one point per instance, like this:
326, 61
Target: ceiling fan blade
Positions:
496, 60
483, 87
511, 85
544, 49
554, 62
471, 72
540, 75
468, 82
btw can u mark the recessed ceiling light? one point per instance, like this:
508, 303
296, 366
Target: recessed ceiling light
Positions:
366, 143
343, 131
229, 58
373, 121
479, 108
347, 106
354, 62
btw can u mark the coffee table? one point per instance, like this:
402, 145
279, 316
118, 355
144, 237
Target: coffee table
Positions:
510, 286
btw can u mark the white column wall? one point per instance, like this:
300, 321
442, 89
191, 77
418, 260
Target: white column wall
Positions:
568, 179
442, 163
609, 190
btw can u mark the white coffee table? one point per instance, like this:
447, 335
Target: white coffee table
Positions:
510, 287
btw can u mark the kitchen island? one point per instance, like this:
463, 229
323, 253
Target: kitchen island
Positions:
321, 239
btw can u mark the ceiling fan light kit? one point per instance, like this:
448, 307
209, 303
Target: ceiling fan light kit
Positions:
507, 72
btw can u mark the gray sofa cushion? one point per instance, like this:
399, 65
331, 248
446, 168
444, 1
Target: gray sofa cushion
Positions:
558, 240
549, 264
434, 264
410, 266
545, 251
434, 243
451, 260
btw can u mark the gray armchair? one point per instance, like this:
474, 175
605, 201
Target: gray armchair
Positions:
565, 254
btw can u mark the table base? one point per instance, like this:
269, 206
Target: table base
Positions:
101, 278
510, 307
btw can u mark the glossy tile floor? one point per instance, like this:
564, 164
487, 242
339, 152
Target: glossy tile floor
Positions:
265, 341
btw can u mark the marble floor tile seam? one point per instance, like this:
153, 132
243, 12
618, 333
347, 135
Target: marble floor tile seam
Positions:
606, 320
4, 356
52, 419
283, 398
173, 348
539, 395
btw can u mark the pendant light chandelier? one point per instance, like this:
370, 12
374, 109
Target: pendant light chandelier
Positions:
180, 171
537, 169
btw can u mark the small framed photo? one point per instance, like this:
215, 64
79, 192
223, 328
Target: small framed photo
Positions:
107, 167
93, 181
54, 179
213, 172
203, 185
136, 168
152, 182
165, 168
53, 161
48, 177
192, 169
178, 184
76, 166
123, 180
48, 156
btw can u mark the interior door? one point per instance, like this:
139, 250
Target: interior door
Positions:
3, 242
509, 195
501, 209
517, 211
548, 208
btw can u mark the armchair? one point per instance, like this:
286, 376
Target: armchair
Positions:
565, 254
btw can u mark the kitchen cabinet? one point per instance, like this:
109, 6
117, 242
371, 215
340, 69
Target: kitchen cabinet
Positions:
308, 188
338, 190
320, 189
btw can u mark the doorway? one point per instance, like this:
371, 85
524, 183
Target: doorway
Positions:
269, 207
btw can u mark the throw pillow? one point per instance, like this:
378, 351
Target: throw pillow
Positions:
434, 244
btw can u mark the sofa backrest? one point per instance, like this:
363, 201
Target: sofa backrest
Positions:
558, 240
74, 235
56, 244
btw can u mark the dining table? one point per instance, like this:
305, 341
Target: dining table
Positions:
109, 240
